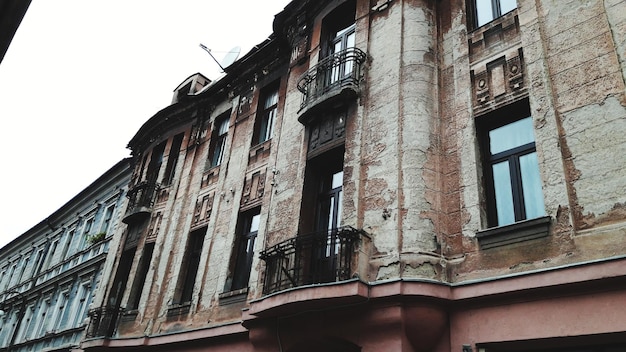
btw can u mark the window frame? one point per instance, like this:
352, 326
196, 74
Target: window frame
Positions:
172, 159
502, 117
496, 12
266, 115
243, 250
219, 135
190, 266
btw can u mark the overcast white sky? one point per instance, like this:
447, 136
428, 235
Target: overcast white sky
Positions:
81, 77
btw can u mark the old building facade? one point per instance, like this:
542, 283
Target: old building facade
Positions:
399, 175
49, 274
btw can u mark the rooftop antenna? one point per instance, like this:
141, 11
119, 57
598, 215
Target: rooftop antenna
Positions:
230, 57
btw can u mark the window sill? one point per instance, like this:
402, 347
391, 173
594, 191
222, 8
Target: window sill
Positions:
129, 315
235, 296
518, 232
178, 309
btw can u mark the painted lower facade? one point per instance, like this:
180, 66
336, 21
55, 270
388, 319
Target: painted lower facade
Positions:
49, 274
401, 175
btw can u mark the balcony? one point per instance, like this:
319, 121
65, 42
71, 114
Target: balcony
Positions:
103, 321
141, 198
323, 257
335, 78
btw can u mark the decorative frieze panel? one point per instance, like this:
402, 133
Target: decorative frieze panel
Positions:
245, 103
495, 37
498, 82
203, 209
209, 178
327, 133
163, 194
298, 36
259, 154
154, 227
253, 190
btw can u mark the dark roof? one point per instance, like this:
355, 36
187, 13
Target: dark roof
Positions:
11, 14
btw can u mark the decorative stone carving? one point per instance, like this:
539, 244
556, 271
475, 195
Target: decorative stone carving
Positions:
327, 132
253, 190
154, 227
203, 209
498, 82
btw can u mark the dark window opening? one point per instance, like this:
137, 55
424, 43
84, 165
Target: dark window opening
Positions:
339, 28
323, 192
156, 159
247, 231
266, 115
189, 267
140, 277
121, 278
172, 159
218, 140
107, 219
484, 11
511, 168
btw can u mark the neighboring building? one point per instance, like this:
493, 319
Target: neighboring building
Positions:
394, 175
11, 14
49, 274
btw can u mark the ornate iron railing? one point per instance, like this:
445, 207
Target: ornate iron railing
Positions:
141, 197
103, 321
333, 74
321, 257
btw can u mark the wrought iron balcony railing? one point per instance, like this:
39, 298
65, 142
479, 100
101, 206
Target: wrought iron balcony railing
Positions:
334, 75
103, 321
322, 257
141, 198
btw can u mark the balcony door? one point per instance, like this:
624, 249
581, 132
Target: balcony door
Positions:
330, 202
339, 28
341, 67
328, 210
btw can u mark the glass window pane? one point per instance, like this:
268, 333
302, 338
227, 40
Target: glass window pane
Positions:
350, 40
484, 12
337, 180
331, 214
271, 99
254, 225
507, 5
223, 127
339, 207
504, 194
531, 186
511, 136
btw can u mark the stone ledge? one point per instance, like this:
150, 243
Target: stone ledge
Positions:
514, 233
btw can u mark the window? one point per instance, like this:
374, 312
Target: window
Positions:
40, 260
172, 159
121, 278
264, 125
248, 228
106, 222
140, 277
86, 233
323, 192
83, 299
218, 140
513, 183
27, 322
156, 159
68, 243
58, 320
340, 33
484, 11
189, 267
44, 318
